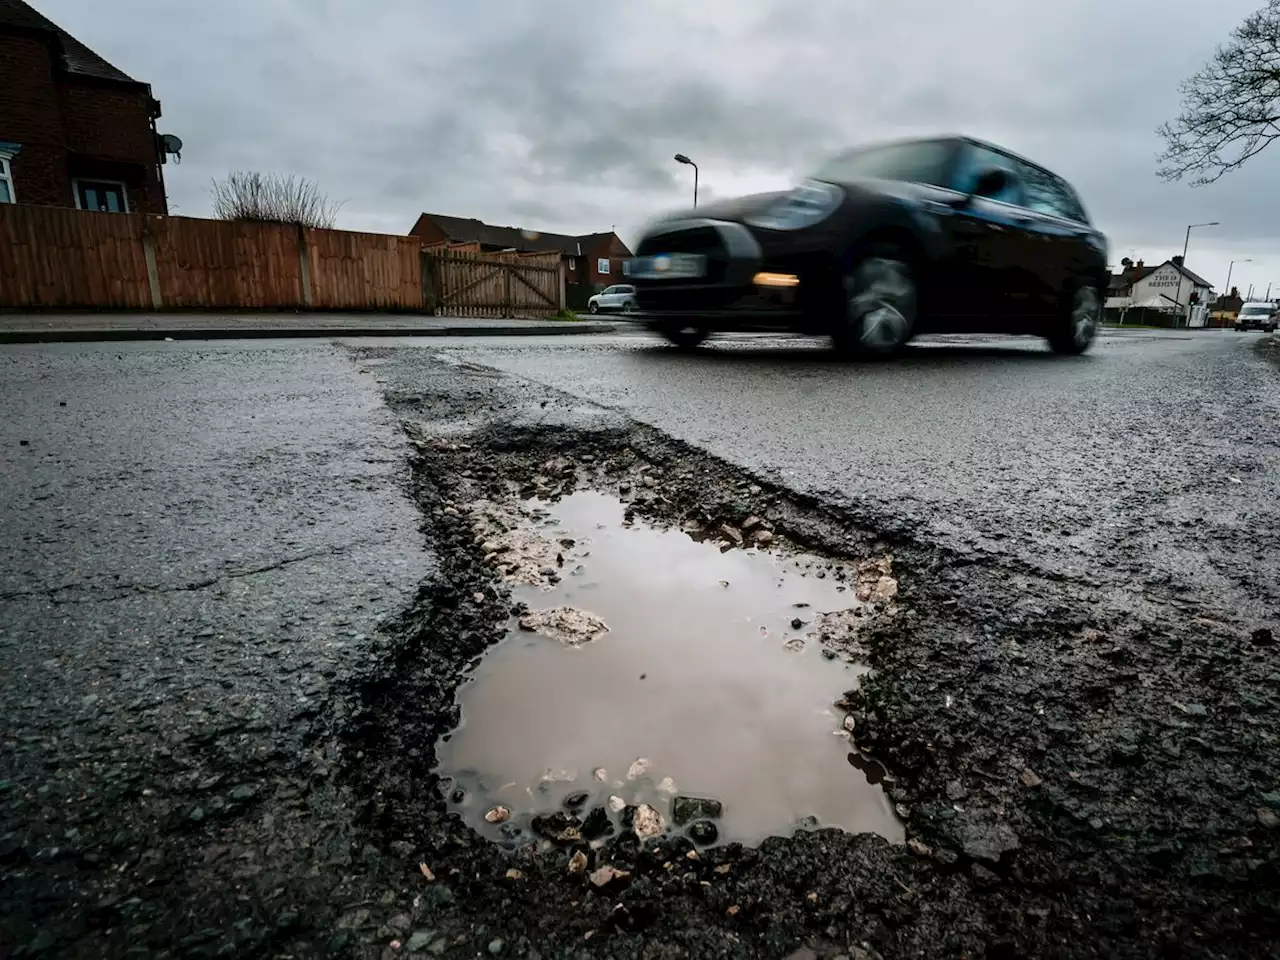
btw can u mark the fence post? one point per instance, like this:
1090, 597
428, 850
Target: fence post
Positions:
304, 262
153, 272
563, 303
507, 305
430, 289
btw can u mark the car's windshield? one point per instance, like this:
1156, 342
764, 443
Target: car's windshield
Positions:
1257, 310
919, 161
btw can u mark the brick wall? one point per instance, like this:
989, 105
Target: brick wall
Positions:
607, 248
107, 124
31, 115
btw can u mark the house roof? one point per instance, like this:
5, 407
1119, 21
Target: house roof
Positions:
74, 56
1130, 275
463, 230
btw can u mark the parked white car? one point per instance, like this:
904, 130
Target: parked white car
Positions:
620, 297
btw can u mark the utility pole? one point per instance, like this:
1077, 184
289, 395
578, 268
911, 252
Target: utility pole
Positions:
1183, 266
681, 158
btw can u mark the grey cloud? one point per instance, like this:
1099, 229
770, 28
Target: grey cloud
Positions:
563, 116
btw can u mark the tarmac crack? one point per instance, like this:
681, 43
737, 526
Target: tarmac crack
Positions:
125, 591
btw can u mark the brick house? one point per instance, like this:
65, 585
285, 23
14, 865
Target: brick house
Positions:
592, 261
74, 130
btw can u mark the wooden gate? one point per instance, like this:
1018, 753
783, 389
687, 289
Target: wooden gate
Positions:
460, 283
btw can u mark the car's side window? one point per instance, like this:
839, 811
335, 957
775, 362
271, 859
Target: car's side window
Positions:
1047, 194
975, 160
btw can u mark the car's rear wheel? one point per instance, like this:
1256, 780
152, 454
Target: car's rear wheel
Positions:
880, 303
629, 307
686, 336
593, 307
1075, 330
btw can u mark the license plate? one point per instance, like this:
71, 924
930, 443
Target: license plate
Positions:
669, 266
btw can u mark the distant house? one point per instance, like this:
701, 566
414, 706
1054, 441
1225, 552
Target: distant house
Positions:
74, 130
1168, 287
592, 261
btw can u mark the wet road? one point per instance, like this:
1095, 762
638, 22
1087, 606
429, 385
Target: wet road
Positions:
1154, 460
203, 544
201, 541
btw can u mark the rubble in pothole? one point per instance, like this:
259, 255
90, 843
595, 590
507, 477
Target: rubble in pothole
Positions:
705, 679
570, 626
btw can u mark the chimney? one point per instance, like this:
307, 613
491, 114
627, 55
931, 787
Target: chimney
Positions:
1235, 293
1178, 259
1139, 266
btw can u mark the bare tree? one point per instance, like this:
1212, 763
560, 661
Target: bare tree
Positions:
273, 198
1230, 107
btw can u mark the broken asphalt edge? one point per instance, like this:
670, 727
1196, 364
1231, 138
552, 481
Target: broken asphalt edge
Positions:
558, 328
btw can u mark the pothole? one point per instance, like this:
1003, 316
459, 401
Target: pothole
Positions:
658, 681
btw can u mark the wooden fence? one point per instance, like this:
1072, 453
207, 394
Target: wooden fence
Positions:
58, 258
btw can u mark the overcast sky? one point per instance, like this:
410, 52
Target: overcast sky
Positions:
563, 116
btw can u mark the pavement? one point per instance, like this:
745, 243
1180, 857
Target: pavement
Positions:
51, 328
213, 550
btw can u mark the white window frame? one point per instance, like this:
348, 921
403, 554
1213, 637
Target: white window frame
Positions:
124, 189
602, 266
6, 174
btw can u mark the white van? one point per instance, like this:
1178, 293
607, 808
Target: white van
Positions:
1258, 315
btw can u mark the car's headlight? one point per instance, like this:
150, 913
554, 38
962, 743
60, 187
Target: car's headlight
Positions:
809, 203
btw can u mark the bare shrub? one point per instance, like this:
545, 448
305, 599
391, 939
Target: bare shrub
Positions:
272, 198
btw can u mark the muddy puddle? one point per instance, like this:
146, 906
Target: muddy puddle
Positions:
653, 670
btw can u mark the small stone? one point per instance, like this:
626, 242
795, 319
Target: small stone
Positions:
666, 785
648, 822
691, 855
649, 481
478, 597
703, 832
983, 877
491, 547
1029, 778
557, 827
419, 941
796, 623
919, 847
733, 533
617, 804
794, 645
196, 815
724, 868
603, 876
514, 874
850, 723
639, 768
734, 910
687, 809
1262, 637
751, 523
1268, 817
596, 824
426, 872
754, 490
578, 863
600, 774
576, 800
956, 790
495, 946
762, 537
498, 814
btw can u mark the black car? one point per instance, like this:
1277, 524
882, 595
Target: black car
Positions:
943, 235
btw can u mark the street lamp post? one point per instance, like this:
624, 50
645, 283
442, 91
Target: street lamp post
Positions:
681, 158
1185, 244
1227, 291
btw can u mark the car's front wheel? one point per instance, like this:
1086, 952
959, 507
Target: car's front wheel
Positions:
593, 307
1074, 332
686, 336
880, 303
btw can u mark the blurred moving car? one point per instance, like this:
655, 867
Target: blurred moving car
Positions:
1259, 315
620, 297
943, 235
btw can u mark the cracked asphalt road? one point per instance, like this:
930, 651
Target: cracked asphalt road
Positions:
205, 545
201, 540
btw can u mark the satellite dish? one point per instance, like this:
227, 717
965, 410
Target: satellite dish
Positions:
172, 145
